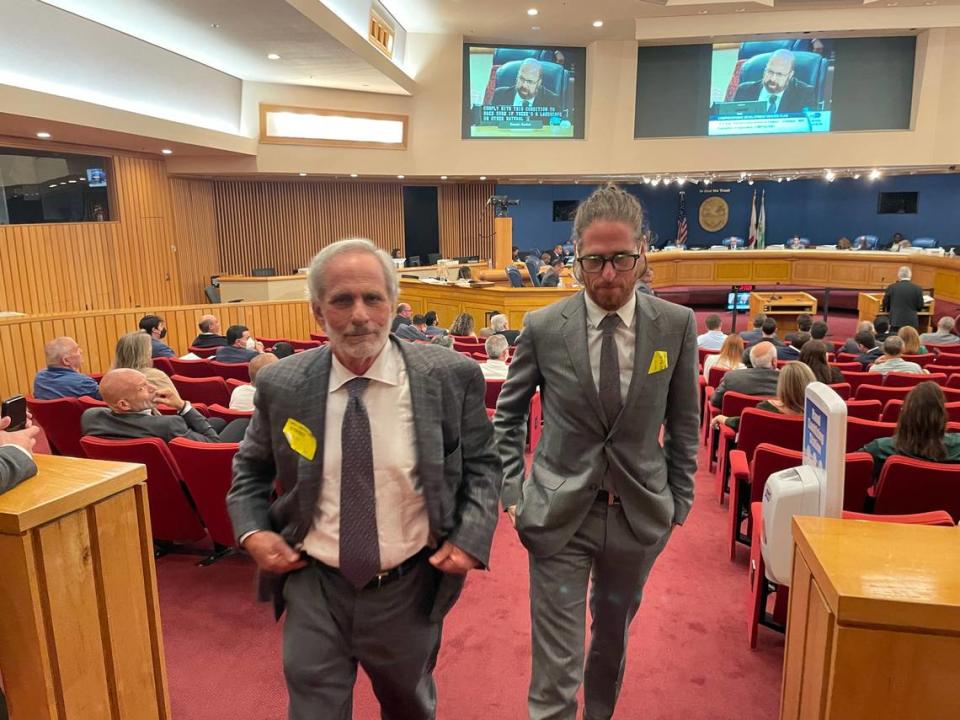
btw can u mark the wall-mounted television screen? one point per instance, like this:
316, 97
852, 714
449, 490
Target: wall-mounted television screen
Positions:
738, 300
523, 92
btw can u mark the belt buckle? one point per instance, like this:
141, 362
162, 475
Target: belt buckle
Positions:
379, 577
611, 498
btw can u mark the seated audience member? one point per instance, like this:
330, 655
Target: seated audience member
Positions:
713, 338
794, 243
241, 346
869, 350
133, 353
501, 326
729, 357
911, 341
443, 341
891, 360
16, 456
431, 321
209, 333
515, 254
62, 376
768, 333
851, 346
484, 333
416, 330
495, 368
281, 350
551, 275
242, 396
645, 283
558, 254
902, 246
395, 254
814, 356
753, 336
792, 351
804, 323
404, 313
132, 400
156, 328
844, 243
881, 325
921, 431
789, 399
944, 334
819, 330
758, 379
463, 326
464, 273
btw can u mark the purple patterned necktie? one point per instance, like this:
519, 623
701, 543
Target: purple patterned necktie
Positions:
359, 542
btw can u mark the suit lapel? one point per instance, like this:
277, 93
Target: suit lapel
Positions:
311, 410
574, 333
647, 321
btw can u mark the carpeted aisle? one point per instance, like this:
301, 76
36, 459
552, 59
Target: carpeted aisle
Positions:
689, 658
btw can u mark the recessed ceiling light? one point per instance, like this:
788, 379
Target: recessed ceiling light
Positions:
43, 135
741, 9
856, 176
533, 11
534, 27
874, 174
704, 12
483, 177
443, 177
400, 177
167, 151
598, 23
82, 179
303, 174
273, 56
215, 26
72, 182
353, 174
53, 186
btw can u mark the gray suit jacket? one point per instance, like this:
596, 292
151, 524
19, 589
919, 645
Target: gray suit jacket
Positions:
577, 450
103, 422
752, 381
457, 466
15, 467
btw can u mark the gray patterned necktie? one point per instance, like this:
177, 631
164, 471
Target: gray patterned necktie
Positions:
359, 542
610, 369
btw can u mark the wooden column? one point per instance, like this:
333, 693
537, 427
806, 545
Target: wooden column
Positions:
79, 618
503, 241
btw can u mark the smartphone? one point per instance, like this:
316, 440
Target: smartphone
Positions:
15, 408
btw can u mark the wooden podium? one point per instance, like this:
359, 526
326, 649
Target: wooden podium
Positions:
868, 307
502, 242
783, 307
79, 619
874, 623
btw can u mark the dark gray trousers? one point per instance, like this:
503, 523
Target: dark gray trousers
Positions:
331, 627
605, 552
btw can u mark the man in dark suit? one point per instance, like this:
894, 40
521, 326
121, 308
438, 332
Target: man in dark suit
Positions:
403, 316
768, 333
868, 348
528, 90
133, 399
209, 333
389, 485
758, 379
779, 89
156, 328
755, 335
240, 347
902, 301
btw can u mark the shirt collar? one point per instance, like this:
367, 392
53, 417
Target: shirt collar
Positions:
595, 313
385, 369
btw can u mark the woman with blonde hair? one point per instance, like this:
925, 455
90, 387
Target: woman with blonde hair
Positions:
730, 356
134, 351
791, 391
911, 341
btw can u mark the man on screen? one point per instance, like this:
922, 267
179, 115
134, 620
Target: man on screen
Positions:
528, 90
779, 89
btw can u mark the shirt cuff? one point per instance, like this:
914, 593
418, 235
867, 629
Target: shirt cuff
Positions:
21, 449
248, 534
187, 407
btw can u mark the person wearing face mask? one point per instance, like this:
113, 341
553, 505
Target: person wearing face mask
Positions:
62, 376
613, 366
156, 328
132, 400
241, 346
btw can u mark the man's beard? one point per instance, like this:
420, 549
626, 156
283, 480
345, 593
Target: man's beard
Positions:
360, 343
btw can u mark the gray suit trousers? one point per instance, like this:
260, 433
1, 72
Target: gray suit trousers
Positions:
606, 552
330, 627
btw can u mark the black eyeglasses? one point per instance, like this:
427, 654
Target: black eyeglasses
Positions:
621, 262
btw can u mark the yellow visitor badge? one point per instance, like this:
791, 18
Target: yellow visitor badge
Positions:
658, 362
300, 438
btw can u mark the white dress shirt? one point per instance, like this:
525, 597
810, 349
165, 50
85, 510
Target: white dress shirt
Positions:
494, 370
711, 340
765, 96
403, 525
242, 398
625, 336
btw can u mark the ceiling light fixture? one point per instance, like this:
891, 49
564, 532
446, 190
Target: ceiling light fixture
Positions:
534, 27
707, 181
830, 175
875, 174
167, 151
72, 182
681, 180
779, 179
443, 177
353, 174
215, 26
53, 186
856, 176
483, 177
750, 182
598, 23
532, 12
303, 174
43, 135
400, 177
655, 181
273, 56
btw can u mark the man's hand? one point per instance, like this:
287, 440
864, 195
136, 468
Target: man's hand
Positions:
512, 512
271, 553
451, 559
25, 438
258, 346
169, 396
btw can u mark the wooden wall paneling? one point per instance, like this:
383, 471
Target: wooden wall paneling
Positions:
195, 223
466, 223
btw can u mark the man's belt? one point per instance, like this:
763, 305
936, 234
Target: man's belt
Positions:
387, 576
607, 498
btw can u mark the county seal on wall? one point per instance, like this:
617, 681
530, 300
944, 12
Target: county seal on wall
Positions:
714, 213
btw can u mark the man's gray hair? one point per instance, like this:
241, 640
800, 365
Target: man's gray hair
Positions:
206, 323
531, 63
866, 326
499, 323
784, 54
904, 273
763, 355
893, 345
946, 324
316, 280
609, 204
57, 349
496, 346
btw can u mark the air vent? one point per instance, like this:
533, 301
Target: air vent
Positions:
381, 34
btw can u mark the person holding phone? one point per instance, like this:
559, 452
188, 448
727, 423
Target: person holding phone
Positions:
16, 447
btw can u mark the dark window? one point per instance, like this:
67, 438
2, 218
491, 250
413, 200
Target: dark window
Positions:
902, 203
564, 210
49, 187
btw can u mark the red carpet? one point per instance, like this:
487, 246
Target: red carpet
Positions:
688, 658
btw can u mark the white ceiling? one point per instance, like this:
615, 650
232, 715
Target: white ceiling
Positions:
235, 37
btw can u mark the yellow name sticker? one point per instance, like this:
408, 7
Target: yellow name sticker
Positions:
658, 362
300, 438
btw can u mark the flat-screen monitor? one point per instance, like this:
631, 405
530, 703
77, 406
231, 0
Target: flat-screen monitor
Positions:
523, 92
738, 301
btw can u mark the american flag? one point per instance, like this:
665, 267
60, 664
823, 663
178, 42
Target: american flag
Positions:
682, 220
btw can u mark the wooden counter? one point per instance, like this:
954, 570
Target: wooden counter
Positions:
874, 624
869, 304
783, 307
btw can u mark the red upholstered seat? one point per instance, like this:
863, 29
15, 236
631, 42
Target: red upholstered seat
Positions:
884, 393
721, 440
320, 337
860, 432
891, 411
493, 392
191, 368
949, 370
227, 414
203, 352
305, 344
172, 516
233, 384
921, 360
756, 427
269, 342
846, 366
702, 354
912, 379
907, 485
237, 371
208, 390
856, 379
60, 420
866, 409
842, 389
163, 364
534, 422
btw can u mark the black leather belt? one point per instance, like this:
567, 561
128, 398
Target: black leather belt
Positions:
607, 498
387, 576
